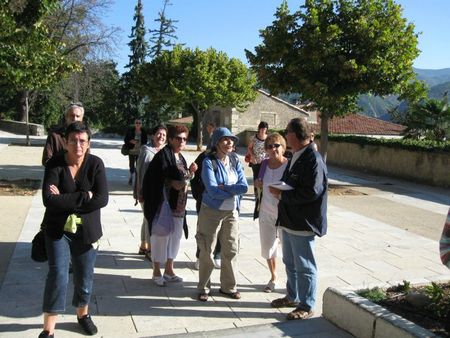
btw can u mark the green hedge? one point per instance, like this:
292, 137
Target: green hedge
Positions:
407, 144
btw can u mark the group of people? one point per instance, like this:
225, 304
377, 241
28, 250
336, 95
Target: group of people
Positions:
291, 204
291, 198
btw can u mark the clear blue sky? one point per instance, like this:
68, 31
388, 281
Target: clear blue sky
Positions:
233, 25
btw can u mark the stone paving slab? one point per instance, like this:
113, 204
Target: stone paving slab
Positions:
357, 252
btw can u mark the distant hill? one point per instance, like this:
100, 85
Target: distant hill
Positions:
438, 81
433, 77
437, 91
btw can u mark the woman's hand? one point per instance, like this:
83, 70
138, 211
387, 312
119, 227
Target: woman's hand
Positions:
258, 183
54, 189
275, 192
193, 168
90, 194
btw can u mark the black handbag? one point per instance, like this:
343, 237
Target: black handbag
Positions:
38, 251
125, 150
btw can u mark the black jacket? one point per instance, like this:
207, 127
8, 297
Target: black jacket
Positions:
305, 207
74, 197
131, 132
162, 167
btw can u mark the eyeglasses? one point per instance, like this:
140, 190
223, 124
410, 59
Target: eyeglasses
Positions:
180, 139
82, 143
274, 145
137, 122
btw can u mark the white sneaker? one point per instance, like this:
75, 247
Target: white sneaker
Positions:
160, 281
197, 264
174, 278
217, 263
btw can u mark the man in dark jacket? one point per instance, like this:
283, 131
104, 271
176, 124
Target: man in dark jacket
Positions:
55, 140
302, 214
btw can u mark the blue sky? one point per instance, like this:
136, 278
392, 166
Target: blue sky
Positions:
233, 25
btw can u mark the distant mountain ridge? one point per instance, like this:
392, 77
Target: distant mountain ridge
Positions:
438, 81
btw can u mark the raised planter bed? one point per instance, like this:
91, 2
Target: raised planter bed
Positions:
362, 318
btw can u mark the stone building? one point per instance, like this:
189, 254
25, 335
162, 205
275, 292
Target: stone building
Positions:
271, 109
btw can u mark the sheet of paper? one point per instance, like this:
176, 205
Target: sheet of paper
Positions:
281, 185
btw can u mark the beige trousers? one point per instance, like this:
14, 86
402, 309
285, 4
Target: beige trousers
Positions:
210, 221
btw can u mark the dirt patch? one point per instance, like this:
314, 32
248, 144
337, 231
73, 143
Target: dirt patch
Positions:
341, 190
427, 306
22, 187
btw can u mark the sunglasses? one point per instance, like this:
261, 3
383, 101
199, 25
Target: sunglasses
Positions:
76, 104
180, 139
274, 145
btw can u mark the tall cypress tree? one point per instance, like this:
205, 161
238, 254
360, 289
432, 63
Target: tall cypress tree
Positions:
132, 104
163, 36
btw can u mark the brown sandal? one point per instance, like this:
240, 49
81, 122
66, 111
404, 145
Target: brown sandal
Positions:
203, 297
283, 302
299, 314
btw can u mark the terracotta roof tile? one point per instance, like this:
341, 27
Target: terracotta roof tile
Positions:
361, 125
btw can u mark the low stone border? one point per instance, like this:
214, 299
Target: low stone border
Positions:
362, 318
18, 127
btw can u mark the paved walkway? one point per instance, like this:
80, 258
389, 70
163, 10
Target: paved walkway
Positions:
359, 251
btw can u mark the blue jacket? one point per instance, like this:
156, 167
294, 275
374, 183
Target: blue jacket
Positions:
215, 175
305, 207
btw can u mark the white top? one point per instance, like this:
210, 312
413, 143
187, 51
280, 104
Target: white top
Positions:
269, 204
230, 203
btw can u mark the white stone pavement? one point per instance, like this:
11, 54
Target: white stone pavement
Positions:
357, 252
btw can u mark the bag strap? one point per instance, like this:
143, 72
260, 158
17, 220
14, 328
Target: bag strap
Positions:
262, 169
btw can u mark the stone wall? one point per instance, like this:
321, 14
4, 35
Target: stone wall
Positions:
277, 113
426, 167
17, 127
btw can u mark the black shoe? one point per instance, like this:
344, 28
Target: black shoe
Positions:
45, 334
88, 325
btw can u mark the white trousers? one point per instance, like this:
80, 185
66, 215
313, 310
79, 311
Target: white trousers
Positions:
269, 235
167, 247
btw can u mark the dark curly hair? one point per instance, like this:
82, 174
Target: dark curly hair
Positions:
77, 127
174, 130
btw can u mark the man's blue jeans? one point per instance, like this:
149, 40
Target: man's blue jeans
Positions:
301, 269
60, 252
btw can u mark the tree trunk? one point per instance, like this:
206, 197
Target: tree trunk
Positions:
27, 110
324, 135
21, 111
199, 130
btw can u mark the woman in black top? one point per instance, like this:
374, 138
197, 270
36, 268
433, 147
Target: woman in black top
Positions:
167, 174
73, 191
135, 138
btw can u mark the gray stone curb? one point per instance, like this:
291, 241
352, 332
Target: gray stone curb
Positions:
362, 318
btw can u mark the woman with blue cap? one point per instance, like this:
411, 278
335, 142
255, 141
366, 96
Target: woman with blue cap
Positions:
224, 181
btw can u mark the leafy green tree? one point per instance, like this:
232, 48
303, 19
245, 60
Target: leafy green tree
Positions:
198, 79
29, 58
162, 38
429, 118
75, 29
131, 103
330, 51
99, 92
